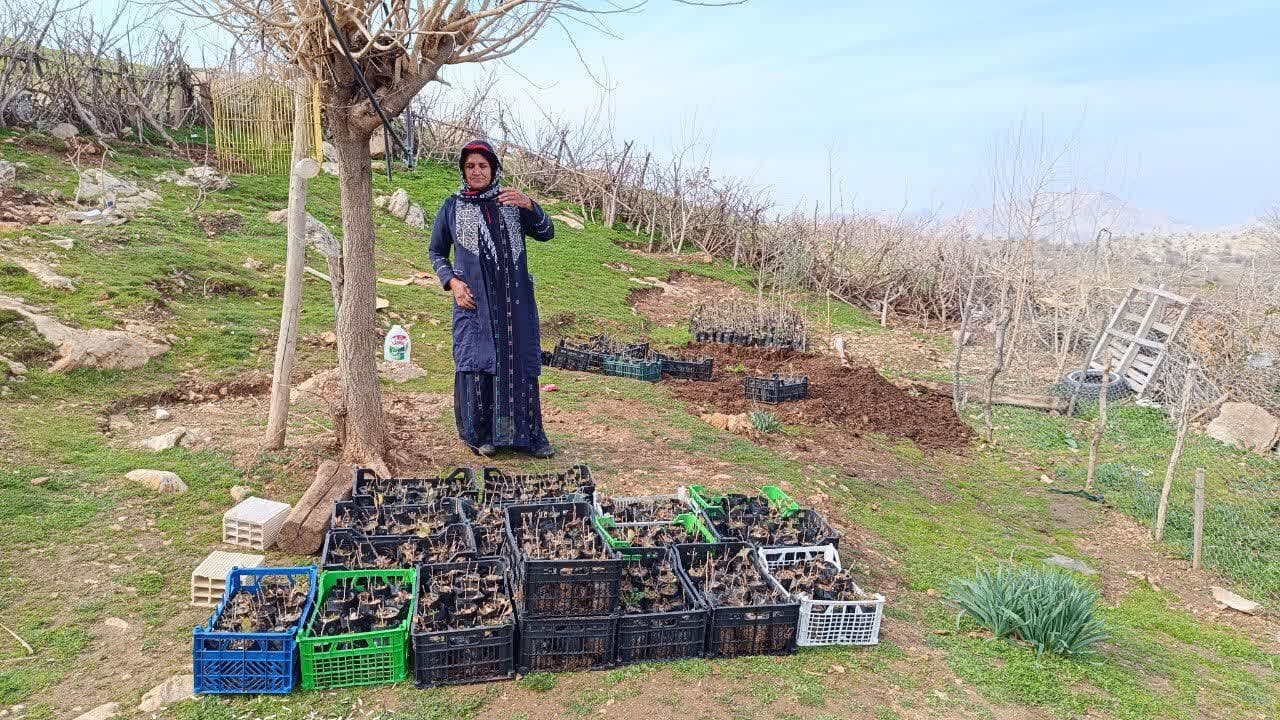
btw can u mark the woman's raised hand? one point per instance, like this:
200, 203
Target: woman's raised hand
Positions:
462, 294
515, 197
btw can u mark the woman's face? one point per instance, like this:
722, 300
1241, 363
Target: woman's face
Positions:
477, 171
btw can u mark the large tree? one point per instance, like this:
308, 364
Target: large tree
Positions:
382, 54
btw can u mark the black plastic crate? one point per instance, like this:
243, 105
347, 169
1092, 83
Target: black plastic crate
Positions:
488, 527
747, 630
391, 519
348, 550
812, 529
369, 489
670, 635
478, 654
681, 369
559, 644
563, 588
569, 359
499, 487
776, 389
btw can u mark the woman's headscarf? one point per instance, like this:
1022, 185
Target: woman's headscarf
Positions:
489, 192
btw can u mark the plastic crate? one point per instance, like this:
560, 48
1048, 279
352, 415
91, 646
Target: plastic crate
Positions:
571, 643
499, 487
776, 389
431, 548
691, 522
646, 370
567, 358
367, 658
464, 656
619, 506
671, 635
377, 519
369, 489
250, 662
827, 622
686, 369
254, 523
490, 536
815, 530
746, 630
209, 579
563, 588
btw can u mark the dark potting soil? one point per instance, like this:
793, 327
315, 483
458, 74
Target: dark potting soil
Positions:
855, 398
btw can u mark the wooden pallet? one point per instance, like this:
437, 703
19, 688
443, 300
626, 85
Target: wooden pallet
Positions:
1138, 335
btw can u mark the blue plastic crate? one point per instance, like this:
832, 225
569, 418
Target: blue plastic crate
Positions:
250, 663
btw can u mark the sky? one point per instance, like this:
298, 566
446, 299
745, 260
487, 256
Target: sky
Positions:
1172, 106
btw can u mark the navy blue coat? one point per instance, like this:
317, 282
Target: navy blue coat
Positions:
473, 349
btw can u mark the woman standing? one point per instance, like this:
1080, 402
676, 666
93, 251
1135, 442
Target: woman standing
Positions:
497, 351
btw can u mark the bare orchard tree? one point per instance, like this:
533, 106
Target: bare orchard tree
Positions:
370, 59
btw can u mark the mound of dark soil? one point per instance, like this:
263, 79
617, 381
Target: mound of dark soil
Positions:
855, 398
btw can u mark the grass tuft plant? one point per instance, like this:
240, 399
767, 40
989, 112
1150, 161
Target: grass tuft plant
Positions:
1047, 609
765, 421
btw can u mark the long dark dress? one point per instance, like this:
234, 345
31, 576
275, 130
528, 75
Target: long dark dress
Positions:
497, 346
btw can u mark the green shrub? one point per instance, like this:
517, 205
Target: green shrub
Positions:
765, 421
1045, 608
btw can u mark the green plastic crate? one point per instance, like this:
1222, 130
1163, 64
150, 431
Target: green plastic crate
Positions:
688, 521
368, 658
649, 371
776, 497
704, 499
780, 500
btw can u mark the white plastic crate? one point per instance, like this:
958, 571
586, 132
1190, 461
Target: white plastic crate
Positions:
681, 494
254, 523
209, 580
827, 622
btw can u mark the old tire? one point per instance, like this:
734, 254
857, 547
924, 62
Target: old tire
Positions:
1090, 385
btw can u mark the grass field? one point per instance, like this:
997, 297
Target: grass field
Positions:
87, 545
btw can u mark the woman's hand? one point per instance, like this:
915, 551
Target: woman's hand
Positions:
462, 294
516, 198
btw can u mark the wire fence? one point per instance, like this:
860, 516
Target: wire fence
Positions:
253, 124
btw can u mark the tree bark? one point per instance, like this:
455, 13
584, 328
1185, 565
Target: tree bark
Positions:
362, 427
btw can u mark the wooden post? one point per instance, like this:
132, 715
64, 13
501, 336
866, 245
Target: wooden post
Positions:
1184, 422
303, 169
1197, 532
1097, 431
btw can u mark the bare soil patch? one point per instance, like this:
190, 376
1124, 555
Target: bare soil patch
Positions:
670, 302
219, 221
855, 399
24, 206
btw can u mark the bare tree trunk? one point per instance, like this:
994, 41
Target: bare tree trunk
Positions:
1184, 422
1094, 445
358, 415
997, 365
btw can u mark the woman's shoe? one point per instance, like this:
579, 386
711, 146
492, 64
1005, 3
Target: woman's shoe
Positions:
544, 451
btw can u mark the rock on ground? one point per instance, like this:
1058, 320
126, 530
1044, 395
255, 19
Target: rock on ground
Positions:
377, 145
175, 689
44, 274
102, 712
64, 131
572, 222
195, 437
329, 168
1234, 601
324, 386
163, 442
65, 243
116, 623
398, 203
8, 172
200, 176
1070, 563
240, 492
318, 234
95, 348
162, 414
15, 368
96, 184
415, 217
161, 481
1245, 426
330, 152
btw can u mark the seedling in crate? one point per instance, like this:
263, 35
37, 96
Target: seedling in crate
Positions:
489, 526
651, 588
352, 608
656, 535
753, 519
381, 553
662, 510
458, 598
733, 580
422, 521
563, 535
818, 579
270, 605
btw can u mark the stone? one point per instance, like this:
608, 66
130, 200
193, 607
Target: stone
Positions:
102, 712
37, 482
329, 338
252, 264
398, 204
175, 689
377, 145
64, 131
321, 387
318, 234
166, 441
204, 177
119, 423
116, 623
162, 414
161, 481
95, 185
572, 222
1246, 426
330, 153
1072, 564
240, 492
16, 368
8, 172
94, 348
329, 168
380, 202
65, 243
1234, 601
195, 437
44, 274
415, 217
277, 217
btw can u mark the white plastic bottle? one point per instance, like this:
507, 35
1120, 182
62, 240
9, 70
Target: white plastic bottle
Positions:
397, 345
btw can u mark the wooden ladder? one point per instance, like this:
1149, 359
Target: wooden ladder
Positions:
1136, 340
